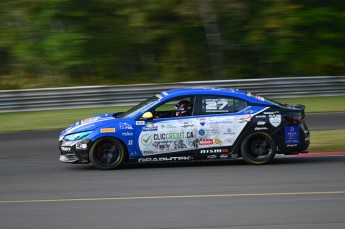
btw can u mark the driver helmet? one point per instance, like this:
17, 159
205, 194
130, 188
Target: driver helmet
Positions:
184, 107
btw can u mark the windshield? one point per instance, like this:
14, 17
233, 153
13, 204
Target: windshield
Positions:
140, 106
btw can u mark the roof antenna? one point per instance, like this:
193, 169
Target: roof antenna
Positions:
238, 85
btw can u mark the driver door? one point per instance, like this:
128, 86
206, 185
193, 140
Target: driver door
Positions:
167, 134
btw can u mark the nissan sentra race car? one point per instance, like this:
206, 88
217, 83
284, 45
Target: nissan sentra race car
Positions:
189, 124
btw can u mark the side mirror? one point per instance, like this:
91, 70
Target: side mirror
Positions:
147, 115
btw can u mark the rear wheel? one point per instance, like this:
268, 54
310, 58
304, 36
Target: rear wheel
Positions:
258, 148
107, 153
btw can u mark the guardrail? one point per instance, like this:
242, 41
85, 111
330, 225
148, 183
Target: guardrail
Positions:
128, 95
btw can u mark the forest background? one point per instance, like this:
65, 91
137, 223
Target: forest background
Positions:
96, 42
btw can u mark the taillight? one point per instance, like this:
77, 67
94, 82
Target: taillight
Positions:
295, 119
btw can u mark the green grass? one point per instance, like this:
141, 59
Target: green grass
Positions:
47, 120
319, 104
328, 141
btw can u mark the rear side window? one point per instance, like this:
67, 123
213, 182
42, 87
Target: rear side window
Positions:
221, 104
239, 105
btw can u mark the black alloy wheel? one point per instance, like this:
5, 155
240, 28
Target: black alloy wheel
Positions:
107, 153
258, 148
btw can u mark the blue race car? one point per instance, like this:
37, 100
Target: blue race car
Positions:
189, 124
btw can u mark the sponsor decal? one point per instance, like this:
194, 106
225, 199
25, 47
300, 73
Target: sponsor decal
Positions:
127, 134
108, 130
163, 145
271, 113
261, 123
169, 145
206, 141
201, 132
260, 116
148, 152
146, 139
158, 159
246, 119
130, 142
234, 155
212, 132
69, 143
186, 124
212, 156
217, 141
216, 105
81, 146
86, 120
225, 150
65, 149
292, 134
125, 126
206, 151
291, 145
248, 111
220, 122
173, 136
260, 98
260, 128
168, 126
223, 156
275, 119
150, 127
229, 132
140, 123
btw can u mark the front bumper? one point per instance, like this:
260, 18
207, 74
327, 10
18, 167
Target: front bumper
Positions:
69, 158
76, 152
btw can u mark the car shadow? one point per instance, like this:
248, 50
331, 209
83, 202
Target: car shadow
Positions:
286, 160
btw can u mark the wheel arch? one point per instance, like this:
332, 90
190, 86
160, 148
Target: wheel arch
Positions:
126, 159
251, 136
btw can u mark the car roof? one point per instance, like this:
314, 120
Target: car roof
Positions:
252, 98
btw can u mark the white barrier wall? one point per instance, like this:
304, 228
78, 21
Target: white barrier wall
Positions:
128, 95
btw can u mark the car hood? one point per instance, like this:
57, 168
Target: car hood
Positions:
90, 123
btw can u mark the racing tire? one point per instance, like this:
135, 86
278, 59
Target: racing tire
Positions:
107, 153
258, 149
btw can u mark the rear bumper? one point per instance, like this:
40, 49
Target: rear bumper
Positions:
295, 148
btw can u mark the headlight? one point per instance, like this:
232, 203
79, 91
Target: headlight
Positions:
77, 136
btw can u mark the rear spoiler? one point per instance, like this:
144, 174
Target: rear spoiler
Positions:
299, 106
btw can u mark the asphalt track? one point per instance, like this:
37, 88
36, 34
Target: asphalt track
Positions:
37, 191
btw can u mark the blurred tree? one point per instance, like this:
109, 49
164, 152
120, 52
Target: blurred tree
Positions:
319, 48
61, 42
214, 40
257, 36
41, 39
168, 40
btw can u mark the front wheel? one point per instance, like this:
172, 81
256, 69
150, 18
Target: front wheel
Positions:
107, 153
258, 148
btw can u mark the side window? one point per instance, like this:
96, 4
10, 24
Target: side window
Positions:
240, 105
221, 104
175, 108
